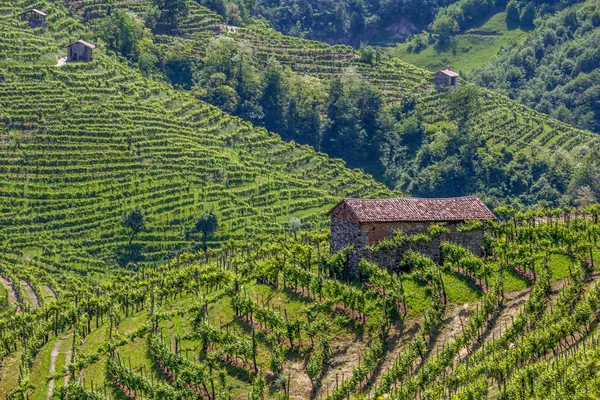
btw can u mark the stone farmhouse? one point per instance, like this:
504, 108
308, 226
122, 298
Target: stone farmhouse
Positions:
365, 222
445, 79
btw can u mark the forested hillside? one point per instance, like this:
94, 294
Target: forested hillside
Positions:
334, 21
543, 55
557, 69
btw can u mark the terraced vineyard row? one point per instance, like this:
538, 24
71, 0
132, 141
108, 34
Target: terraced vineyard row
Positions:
502, 121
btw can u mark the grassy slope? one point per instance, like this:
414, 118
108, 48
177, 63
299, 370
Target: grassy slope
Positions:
470, 50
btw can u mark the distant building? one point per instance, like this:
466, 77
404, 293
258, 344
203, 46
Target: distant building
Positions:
446, 79
362, 223
80, 51
36, 18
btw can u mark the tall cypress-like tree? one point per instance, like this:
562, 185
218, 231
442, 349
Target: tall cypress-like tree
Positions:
273, 97
513, 17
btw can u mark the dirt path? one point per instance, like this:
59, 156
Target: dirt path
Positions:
399, 337
12, 295
67, 361
456, 320
513, 303
345, 356
29, 294
300, 385
52, 369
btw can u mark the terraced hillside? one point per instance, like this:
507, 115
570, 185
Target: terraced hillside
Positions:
270, 314
502, 120
84, 143
416, 144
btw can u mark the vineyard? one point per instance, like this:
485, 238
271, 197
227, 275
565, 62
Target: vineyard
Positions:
90, 310
501, 121
278, 319
83, 144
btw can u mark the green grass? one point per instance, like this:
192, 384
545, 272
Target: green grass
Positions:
40, 368
9, 374
460, 289
47, 294
468, 51
559, 265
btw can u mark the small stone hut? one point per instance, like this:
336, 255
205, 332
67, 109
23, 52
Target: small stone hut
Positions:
365, 222
446, 79
36, 18
80, 51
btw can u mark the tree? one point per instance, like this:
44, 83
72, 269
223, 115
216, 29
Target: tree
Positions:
463, 103
135, 221
513, 18
527, 16
121, 31
207, 224
343, 136
273, 96
294, 225
169, 12
367, 54
585, 196
147, 62
306, 96
445, 27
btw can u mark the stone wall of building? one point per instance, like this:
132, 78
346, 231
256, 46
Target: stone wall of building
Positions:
343, 234
389, 259
362, 235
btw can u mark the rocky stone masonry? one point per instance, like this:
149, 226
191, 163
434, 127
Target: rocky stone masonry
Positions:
361, 235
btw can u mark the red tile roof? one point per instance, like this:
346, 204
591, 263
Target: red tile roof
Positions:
412, 209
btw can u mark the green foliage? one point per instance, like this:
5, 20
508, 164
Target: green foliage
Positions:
125, 34
350, 22
368, 55
463, 104
445, 27
294, 225
513, 17
207, 224
555, 70
134, 220
165, 15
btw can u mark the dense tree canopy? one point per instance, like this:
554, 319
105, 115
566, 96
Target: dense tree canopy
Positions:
556, 70
334, 21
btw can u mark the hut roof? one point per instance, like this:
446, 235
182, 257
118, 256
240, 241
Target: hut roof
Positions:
416, 209
33, 10
448, 73
83, 42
